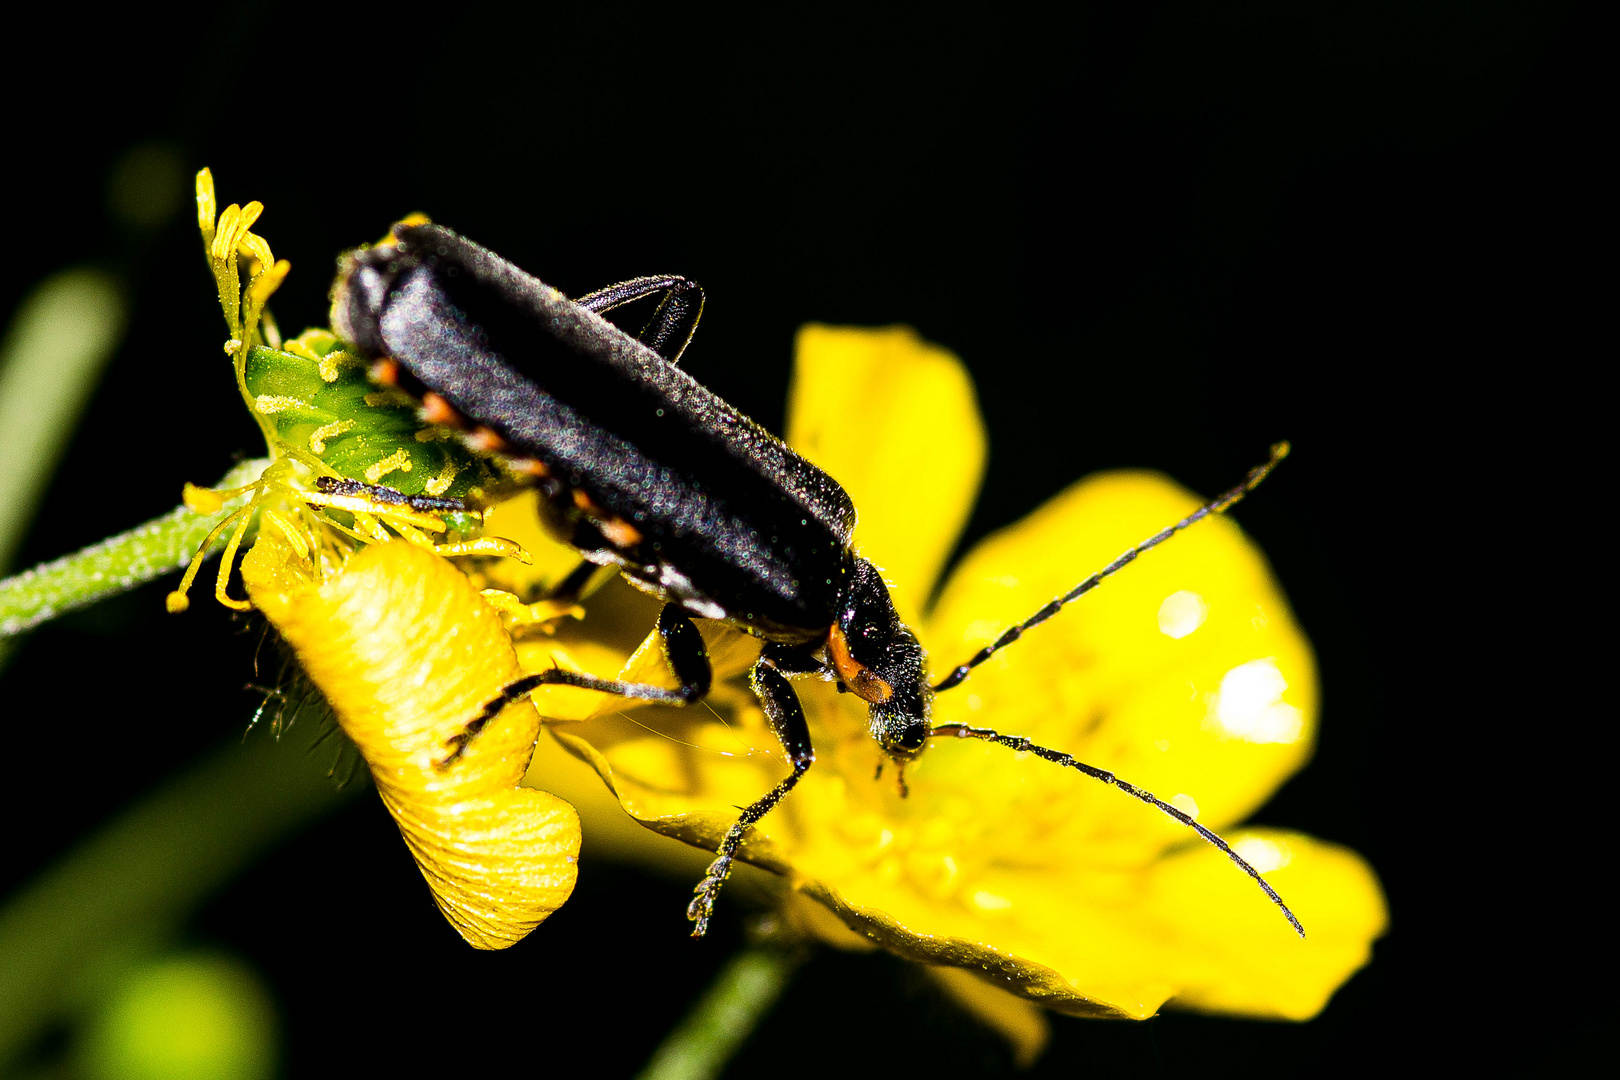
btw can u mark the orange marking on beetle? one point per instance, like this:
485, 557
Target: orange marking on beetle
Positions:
385, 371
529, 466
436, 410
486, 440
619, 532
860, 679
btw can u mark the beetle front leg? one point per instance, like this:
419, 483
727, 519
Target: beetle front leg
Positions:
688, 658
786, 718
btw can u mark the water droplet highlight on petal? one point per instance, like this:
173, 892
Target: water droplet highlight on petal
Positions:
989, 901
1249, 705
1264, 855
1181, 613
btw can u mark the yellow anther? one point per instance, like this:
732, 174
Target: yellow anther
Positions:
176, 600
206, 208
259, 290
201, 500
372, 528
290, 531
256, 247
318, 437
267, 404
441, 483
224, 227
332, 364
233, 228
399, 459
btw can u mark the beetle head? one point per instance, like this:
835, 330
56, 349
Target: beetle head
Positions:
878, 658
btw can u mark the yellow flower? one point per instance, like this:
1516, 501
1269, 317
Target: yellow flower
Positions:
1186, 675
401, 645
406, 651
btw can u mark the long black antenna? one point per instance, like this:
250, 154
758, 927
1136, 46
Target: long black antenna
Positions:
1220, 505
1022, 745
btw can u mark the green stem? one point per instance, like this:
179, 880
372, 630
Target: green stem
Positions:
114, 565
51, 355
721, 1021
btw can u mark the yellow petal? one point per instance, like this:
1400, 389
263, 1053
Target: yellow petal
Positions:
518, 519
895, 421
1122, 944
1232, 959
1021, 1024
1185, 674
608, 831
407, 652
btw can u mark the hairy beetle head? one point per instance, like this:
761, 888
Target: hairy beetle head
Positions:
879, 658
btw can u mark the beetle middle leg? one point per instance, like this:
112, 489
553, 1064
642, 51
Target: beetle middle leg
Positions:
786, 717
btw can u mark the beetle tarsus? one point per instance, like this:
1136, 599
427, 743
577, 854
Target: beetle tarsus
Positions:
709, 888
702, 905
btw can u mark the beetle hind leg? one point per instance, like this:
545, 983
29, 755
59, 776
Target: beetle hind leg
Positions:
673, 322
683, 647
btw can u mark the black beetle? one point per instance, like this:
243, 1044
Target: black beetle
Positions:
641, 467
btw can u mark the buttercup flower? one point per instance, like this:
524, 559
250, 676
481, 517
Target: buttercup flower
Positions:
1185, 674
406, 651
403, 647
1019, 880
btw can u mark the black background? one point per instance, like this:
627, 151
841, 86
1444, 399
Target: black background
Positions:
1159, 236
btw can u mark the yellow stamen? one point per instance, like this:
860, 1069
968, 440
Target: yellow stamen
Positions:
269, 404
228, 560
318, 437
332, 364
177, 601
289, 530
399, 459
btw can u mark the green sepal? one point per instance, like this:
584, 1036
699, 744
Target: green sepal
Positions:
302, 408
